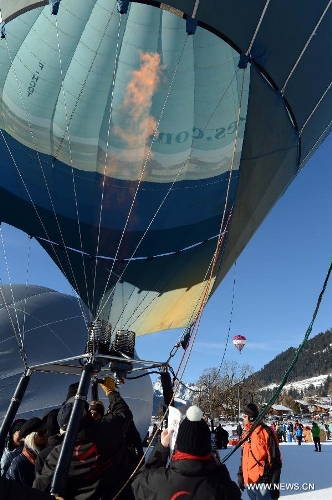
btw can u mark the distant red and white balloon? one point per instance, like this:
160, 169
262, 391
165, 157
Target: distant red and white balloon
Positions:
239, 341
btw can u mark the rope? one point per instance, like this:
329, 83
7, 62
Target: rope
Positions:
229, 325
17, 333
314, 109
193, 15
258, 26
107, 145
305, 46
289, 369
26, 286
312, 149
208, 288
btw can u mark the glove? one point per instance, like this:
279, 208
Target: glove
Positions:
240, 482
108, 385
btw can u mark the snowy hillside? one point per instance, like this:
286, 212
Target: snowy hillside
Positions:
183, 396
301, 384
186, 392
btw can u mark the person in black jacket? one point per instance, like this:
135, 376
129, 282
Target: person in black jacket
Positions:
13, 445
134, 444
193, 470
11, 490
22, 468
222, 437
53, 438
100, 464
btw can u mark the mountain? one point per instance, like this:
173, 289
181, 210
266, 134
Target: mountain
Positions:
315, 359
183, 397
311, 375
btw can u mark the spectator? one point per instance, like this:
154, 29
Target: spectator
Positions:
221, 437
13, 445
239, 430
193, 470
298, 432
34, 434
100, 464
134, 444
315, 431
11, 490
97, 410
261, 458
53, 438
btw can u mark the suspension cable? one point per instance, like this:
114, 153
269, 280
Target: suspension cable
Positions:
16, 328
208, 288
45, 181
312, 34
289, 369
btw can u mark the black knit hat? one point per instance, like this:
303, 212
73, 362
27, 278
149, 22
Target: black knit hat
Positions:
64, 413
251, 410
34, 424
194, 435
16, 425
52, 422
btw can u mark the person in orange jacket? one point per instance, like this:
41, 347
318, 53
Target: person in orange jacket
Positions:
261, 462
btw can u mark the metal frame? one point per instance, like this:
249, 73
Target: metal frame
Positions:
87, 367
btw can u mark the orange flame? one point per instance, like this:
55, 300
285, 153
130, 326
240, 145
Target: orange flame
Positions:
138, 99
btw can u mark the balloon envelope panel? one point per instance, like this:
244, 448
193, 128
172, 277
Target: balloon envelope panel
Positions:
52, 326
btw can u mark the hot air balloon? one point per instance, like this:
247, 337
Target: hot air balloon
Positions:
140, 154
239, 342
143, 145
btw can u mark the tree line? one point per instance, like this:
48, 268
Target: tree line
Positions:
224, 391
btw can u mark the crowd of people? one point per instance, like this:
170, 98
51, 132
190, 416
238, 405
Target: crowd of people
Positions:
106, 461
107, 450
297, 432
108, 457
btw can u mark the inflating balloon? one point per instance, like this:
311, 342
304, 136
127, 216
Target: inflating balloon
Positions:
143, 145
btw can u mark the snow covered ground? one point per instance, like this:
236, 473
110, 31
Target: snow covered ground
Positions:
306, 475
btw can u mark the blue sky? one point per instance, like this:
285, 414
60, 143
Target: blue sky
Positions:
278, 278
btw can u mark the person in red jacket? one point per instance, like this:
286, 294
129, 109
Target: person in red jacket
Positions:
193, 471
261, 459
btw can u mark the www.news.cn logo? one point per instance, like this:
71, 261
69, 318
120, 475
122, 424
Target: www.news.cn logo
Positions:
282, 486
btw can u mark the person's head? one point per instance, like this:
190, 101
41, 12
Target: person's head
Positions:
65, 413
97, 410
52, 423
250, 413
34, 434
14, 432
194, 435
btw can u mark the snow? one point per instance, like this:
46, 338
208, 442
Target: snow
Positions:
302, 384
281, 407
301, 467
